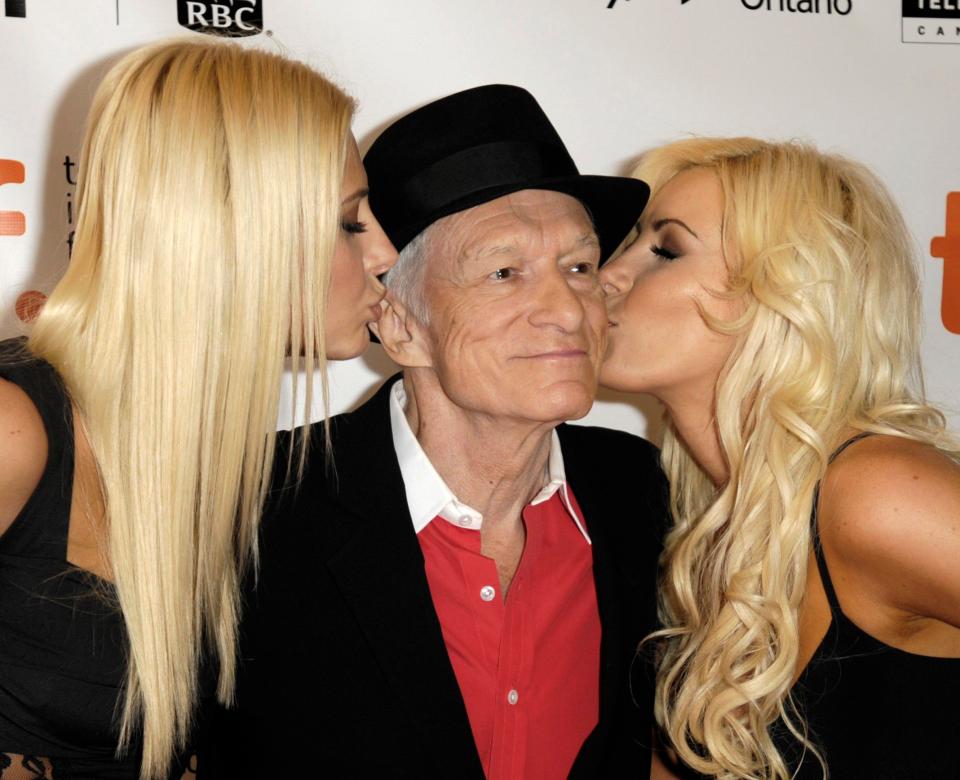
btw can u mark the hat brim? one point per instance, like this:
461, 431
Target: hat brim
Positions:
614, 203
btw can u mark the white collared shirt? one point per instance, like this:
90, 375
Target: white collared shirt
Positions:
429, 497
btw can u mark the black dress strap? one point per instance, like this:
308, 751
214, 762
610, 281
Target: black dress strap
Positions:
847, 443
815, 530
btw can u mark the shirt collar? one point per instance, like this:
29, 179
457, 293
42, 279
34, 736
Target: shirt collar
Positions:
428, 496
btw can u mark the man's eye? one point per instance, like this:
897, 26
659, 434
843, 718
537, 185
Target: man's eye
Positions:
584, 268
502, 273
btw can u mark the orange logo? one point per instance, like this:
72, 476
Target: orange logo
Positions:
12, 223
28, 305
947, 247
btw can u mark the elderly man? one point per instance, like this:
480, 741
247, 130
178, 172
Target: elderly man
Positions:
461, 594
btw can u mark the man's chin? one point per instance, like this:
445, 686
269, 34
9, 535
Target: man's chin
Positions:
563, 400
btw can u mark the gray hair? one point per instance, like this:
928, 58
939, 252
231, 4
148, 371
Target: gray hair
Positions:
405, 279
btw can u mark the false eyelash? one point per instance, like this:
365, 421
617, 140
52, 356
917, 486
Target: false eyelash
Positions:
354, 227
663, 252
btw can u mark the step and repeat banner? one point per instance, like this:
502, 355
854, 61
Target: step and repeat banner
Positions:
873, 79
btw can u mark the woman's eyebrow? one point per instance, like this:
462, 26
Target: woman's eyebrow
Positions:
361, 193
672, 221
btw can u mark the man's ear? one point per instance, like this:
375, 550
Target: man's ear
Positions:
403, 337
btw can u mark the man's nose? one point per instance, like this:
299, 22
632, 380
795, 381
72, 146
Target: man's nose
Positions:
557, 303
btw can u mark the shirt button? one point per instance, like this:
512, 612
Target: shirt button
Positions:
513, 697
487, 592
464, 521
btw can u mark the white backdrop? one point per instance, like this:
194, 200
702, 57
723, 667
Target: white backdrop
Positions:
866, 78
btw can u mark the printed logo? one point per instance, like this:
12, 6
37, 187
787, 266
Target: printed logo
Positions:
15, 8
931, 21
831, 7
28, 305
838, 7
68, 166
12, 223
612, 3
947, 248
234, 18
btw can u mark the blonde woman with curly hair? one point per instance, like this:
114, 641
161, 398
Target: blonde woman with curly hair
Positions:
811, 588
223, 225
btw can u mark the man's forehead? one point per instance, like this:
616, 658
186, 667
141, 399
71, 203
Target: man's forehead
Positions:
506, 223
510, 244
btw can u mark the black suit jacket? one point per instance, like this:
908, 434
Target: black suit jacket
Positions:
344, 669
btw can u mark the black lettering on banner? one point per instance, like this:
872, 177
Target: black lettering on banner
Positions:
68, 166
612, 3
838, 7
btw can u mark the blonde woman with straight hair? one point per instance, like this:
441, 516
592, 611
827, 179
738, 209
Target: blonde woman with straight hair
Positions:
223, 225
811, 588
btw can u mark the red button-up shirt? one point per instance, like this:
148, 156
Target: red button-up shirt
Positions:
528, 666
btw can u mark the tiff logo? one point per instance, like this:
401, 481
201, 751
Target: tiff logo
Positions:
28, 305
15, 8
12, 223
234, 18
947, 247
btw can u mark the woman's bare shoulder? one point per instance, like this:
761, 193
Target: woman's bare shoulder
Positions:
892, 510
23, 451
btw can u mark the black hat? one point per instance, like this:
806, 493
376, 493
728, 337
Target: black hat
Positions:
477, 145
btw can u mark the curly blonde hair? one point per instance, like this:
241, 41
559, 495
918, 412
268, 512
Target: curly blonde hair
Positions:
828, 340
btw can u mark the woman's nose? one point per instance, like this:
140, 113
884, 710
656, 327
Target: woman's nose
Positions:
381, 255
613, 278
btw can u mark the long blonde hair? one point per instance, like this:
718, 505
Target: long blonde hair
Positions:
208, 197
828, 340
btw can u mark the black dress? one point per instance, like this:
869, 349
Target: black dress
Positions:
874, 712
63, 643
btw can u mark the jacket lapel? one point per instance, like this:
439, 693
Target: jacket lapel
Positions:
380, 570
594, 497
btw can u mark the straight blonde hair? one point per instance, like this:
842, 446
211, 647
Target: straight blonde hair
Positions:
209, 199
821, 261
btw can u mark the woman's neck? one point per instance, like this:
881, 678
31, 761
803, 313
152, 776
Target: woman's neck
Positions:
695, 423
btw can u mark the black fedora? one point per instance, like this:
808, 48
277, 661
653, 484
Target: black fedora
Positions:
473, 146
